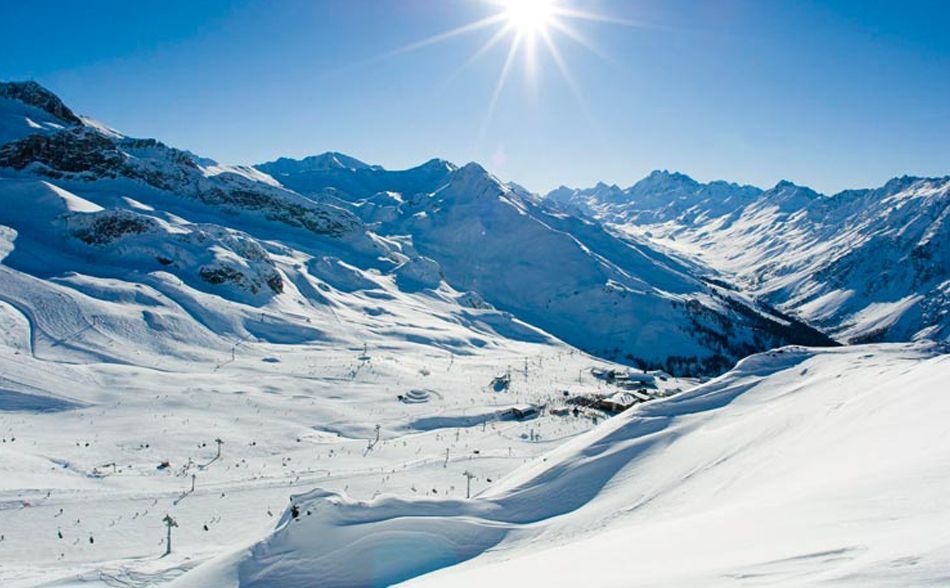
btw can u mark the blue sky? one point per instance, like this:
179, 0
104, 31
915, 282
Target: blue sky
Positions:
830, 94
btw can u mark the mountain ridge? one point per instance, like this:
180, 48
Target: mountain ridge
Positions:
798, 249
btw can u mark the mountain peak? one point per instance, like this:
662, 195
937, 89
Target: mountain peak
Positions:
473, 180
473, 169
32, 93
331, 160
667, 174
785, 185
605, 186
663, 178
438, 164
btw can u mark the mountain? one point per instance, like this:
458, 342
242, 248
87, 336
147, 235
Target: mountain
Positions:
862, 265
211, 253
662, 196
757, 476
609, 296
349, 178
110, 206
27, 108
185, 339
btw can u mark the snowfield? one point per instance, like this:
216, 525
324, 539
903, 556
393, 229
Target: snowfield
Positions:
798, 467
84, 443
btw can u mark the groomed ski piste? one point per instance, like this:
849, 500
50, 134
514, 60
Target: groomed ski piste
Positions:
800, 466
95, 454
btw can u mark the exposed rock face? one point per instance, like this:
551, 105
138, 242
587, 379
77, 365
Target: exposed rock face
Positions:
215, 254
36, 95
87, 154
76, 150
106, 227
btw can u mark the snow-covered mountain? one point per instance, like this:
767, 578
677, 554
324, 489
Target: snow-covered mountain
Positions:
335, 173
107, 205
210, 254
28, 108
862, 265
185, 344
662, 196
610, 296
153, 303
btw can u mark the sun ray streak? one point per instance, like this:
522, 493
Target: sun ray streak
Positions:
485, 48
580, 40
562, 67
502, 77
603, 18
441, 37
534, 27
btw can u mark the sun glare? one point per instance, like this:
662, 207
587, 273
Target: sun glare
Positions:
527, 25
529, 16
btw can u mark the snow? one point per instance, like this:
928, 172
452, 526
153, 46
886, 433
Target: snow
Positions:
799, 466
18, 120
300, 363
287, 427
610, 296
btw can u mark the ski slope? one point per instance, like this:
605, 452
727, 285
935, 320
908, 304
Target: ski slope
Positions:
800, 466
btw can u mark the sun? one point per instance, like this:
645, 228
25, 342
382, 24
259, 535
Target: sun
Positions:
529, 16
527, 25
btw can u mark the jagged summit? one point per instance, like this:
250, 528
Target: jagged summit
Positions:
33, 94
438, 164
353, 179
664, 175
865, 264
790, 185
330, 160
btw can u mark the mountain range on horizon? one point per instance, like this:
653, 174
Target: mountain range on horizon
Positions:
878, 273
289, 167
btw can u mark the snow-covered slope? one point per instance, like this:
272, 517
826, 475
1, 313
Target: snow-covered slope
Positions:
863, 265
800, 466
27, 108
661, 196
153, 302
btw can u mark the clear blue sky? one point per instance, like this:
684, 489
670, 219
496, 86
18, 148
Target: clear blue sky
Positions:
831, 94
